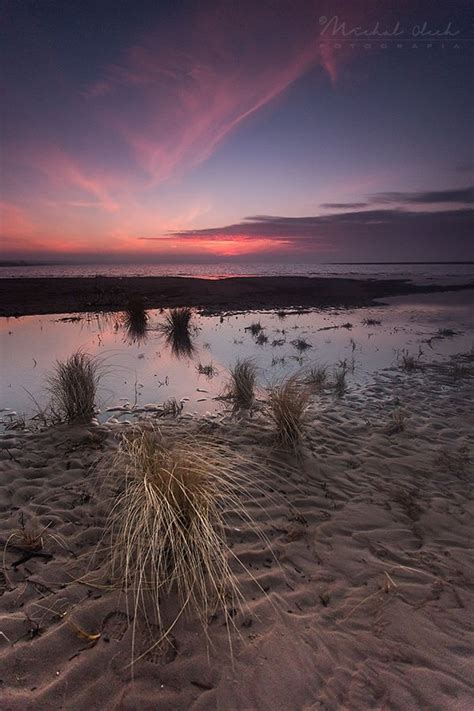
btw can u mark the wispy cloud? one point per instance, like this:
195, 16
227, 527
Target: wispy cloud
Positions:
66, 171
463, 196
457, 196
344, 205
183, 104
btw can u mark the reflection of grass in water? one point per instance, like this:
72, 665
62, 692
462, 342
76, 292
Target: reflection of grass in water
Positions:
177, 320
135, 320
176, 328
180, 344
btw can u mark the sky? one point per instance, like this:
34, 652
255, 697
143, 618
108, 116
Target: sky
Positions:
170, 131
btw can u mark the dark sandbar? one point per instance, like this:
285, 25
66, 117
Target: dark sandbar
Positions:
30, 296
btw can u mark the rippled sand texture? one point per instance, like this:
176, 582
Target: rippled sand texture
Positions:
364, 603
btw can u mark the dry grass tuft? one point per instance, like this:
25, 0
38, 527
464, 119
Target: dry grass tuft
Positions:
301, 344
171, 407
73, 388
397, 422
317, 376
460, 371
241, 386
261, 339
287, 405
167, 525
254, 328
340, 378
209, 370
409, 363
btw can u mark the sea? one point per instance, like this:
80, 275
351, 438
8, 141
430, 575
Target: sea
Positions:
422, 273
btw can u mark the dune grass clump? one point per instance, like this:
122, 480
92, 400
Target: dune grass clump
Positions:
254, 328
317, 376
73, 388
171, 407
135, 319
176, 328
340, 378
446, 333
301, 344
261, 339
287, 404
409, 363
167, 525
208, 369
459, 371
241, 386
397, 422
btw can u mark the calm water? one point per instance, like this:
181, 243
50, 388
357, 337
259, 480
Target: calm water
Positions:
420, 273
148, 371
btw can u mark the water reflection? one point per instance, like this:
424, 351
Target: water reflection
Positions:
167, 360
177, 331
135, 320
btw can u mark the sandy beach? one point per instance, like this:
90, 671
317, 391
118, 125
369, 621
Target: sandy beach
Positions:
22, 296
365, 581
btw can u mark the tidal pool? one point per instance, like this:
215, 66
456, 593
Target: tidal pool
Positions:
139, 371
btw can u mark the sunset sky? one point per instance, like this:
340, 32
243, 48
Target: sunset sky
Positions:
194, 131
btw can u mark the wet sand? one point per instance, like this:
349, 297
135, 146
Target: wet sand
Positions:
366, 581
19, 297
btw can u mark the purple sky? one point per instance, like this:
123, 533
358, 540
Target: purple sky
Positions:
165, 131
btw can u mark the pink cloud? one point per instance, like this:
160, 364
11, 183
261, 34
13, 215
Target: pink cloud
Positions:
183, 104
66, 171
14, 222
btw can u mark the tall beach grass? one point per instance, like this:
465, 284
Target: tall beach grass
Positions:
241, 386
287, 404
73, 388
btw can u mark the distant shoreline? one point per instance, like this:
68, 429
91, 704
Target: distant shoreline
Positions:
38, 295
5, 264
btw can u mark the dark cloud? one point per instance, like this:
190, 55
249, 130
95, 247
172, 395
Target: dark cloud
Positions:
386, 234
432, 197
344, 205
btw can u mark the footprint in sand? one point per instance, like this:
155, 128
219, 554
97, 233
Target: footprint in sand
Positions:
163, 653
115, 625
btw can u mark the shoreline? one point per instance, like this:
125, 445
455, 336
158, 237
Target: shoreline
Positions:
365, 568
39, 296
